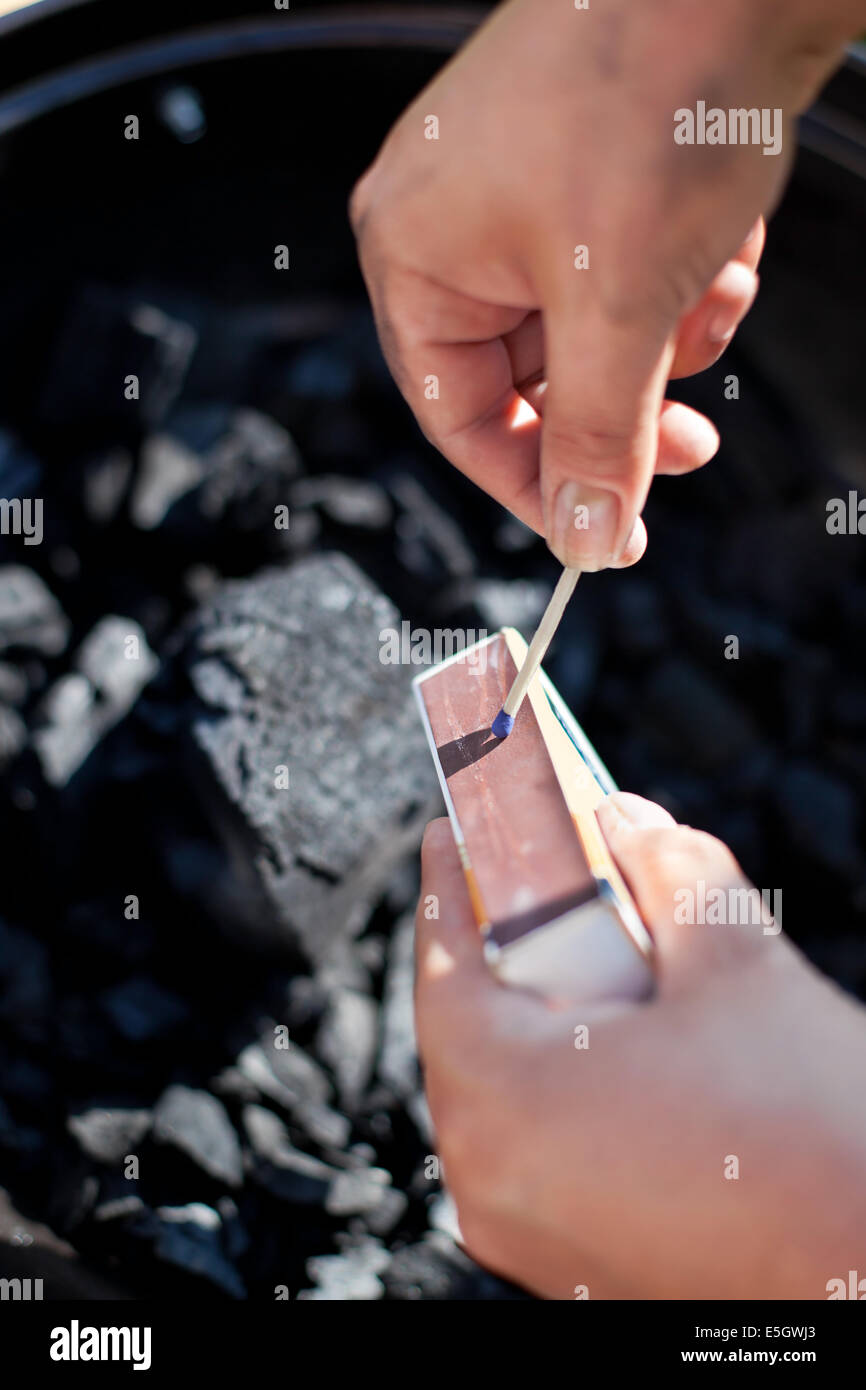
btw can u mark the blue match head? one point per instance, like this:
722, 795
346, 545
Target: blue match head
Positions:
502, 724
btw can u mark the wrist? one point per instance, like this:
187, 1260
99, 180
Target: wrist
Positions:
793, 46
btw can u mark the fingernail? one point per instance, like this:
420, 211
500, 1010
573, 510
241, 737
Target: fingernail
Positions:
618, 562
584, 527
610, 818
631, 814
722, 328
626, 811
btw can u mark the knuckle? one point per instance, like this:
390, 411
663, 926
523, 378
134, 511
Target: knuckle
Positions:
658, 842
603, 452
707, 849
682, 845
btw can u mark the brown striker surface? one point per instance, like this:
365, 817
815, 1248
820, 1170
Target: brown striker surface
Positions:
519, 835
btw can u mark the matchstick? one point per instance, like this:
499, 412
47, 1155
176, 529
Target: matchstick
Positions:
504, 721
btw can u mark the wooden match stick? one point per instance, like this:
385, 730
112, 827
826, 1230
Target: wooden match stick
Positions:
504, 721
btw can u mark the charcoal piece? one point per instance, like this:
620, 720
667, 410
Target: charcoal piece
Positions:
13, 735
363, 1191
343, 967
298, 1179
192, 1238
362, 1153
388, 1212
66, 727
500, 603
231, 1085
761, 636
83, 1035
357, 1190
118, 1210
639, 620
112, 666
787, 561
96, 924
21, 473
269, 1138
848, 704
292, 691
196, 1124
31, 619
696, 719
404, 887
353, 502
125, 338
322, 1124
304, 1000
346, 1042
109, 1134
7, 1124
65, 563
142, 1010
352, 1276
24, 1141
201, 582
371, 951
106, 481
236, 1237
13, 684
442, 1215
167, 471
298, 1085
435, 1269
809, 678
322, 372
398, 1052
213, 467
821, 815
24, 1080
513, 537
286, 1075
26, 995
575, 657
430, 542
419, 1111
117, 661
282, 1169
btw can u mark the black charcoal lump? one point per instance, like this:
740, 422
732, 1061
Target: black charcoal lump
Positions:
108, 1134
31, 619
194, 1239
307, 747
352, 1276
111, 667
398, 1056
214, 467
196, 1123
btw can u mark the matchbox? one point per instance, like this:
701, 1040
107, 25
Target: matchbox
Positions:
554, 911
